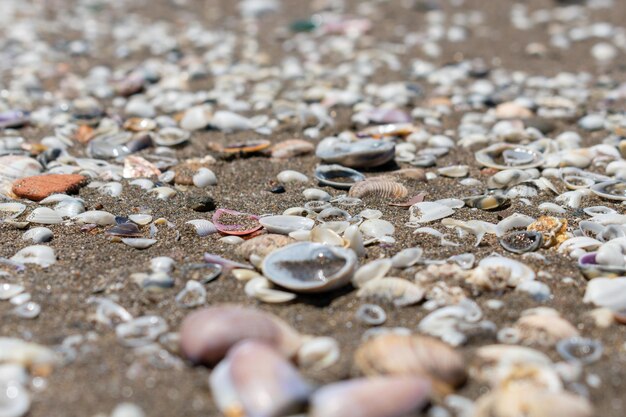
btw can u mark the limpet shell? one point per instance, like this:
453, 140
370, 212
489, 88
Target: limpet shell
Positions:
420, 356
378, 188
505, 156
310, 267
338, 176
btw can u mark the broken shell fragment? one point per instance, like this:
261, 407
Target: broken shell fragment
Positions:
384, 189
554, 230
397, 291
505, 156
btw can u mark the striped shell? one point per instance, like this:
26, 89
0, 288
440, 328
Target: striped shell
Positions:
378, 188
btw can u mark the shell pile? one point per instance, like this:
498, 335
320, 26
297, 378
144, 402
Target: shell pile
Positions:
328, 208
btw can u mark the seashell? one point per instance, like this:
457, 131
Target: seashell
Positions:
364, 153
611, 190
607, 292
383, 189
486, 202
263, 245
531, 401
597, 210
325, 236
291, 148
231, 240
376, 228
580, 350
203, 273
371, 314
261, 288
137, 167
207, 334
162, 264
163, 193
254, 380
315, 194
43, 256
196, 118
514, 221
286, 224
337, 176
388, 130
310, 207
333, 214
44, 215
290, 177
38, 235
319, 353
512, 271
193, 295
109, 312
13, 209
371, 214
310, 267
427, 211
140, 219
508, 178
8, 291
451, 322
203, 227
454, 171
424, 161
27, 354
371, 397
235, 223
554, 230
139, 124
551, 208
398, 291
522, 241
139, 243
354, 240
28, 310
70, 207
124, 229
171, 136
495, 364
100, 218
204, 177
505, 156
544, 330
407, 257
371, 271
140, 331
246, 148
418, 356
143, 183
15, 400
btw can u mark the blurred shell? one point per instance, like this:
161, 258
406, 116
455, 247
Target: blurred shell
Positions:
204, 177
246, 148
193, 295
486, 202
315, 194
203, 227
358, 154
338, 176
140, 331
254, 380
8, 291
505, 156
310, 267
101, 218
291, 148
371, 314
140, 219
398, 291
124, 229
454, 171
28, 354
326, 236
44, 215
407, 257
376, 228
290, 176
207, 334
163, 193
13, 209
376, 269
139, 243
378, 188
521, 241
38, 235
262, 289
511, 271
286, 224
139, 124
171, 136
43, 256
607, 292
371, 397
420, 356
554, 230
611, 190
544, 329
263, 245
508, 178
319, 353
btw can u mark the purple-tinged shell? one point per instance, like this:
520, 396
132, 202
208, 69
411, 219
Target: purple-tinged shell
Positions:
591, 269
13, 118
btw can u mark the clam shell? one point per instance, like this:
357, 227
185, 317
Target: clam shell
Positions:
486, 202
255, 380
419, 356
13, 209
371, 397
171, 136
398, 291
376, 228
44, 215
203, 227
522, 241
286, 224
508, 178
373, 270
407, 257
378, 188
290, 176
38, 235
310, 267
43, 256
250, 225
362, 153
139, 243
101, 218
263, 245
611, 190
124, 229
506, 156
207, 334
337, 176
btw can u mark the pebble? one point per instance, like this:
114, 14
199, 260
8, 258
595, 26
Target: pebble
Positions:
201, 204
41, 186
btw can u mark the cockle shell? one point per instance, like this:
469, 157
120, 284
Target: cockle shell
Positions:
422, 356
398, 291
207, 334
254, 380
310, 267
378, 188
371, 397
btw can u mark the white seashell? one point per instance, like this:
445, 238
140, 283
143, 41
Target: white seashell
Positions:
113, 189
371, 214
44, 215
12, 209
203, 227
8, 291
196, 118
454, 203
301, 235
245, 275
37, 254
167, 177
38, 235
407, 257
261, 288
607, 292
427, 211
517, 271
70, 207
143, 183
354, 240
109, 312
319, 353
326, 236
448, 323
229, 122
204, 177
17, 351
140, 331
163, 193
597, 210
162, 264
57, 198
315, 194
454, 171
398, 291
139, 243
290, 176
286, 224
232, 240
28, 310
514, 221
14, 399
571, 198
193, 295
373, 270
140, 219
537, 290
101, 218
127, 410
376, 228
551, 208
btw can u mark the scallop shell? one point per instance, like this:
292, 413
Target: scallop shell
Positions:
291, 148
310, 267
286, 224
203, 227
398, 291
506, 156
420, 356
378, 188
362, 153
207, 334
338, 176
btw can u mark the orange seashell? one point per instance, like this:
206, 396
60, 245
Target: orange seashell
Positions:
382, 188
84, 133
249, 147
139, 124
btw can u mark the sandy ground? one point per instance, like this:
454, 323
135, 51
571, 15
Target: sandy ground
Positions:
90, 265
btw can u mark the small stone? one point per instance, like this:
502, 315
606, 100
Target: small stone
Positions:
41, 186
201, 203
278, 189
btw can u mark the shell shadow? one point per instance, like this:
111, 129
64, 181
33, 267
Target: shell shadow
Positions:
326, 298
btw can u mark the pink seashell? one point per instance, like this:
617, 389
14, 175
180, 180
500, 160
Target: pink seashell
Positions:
249, 222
